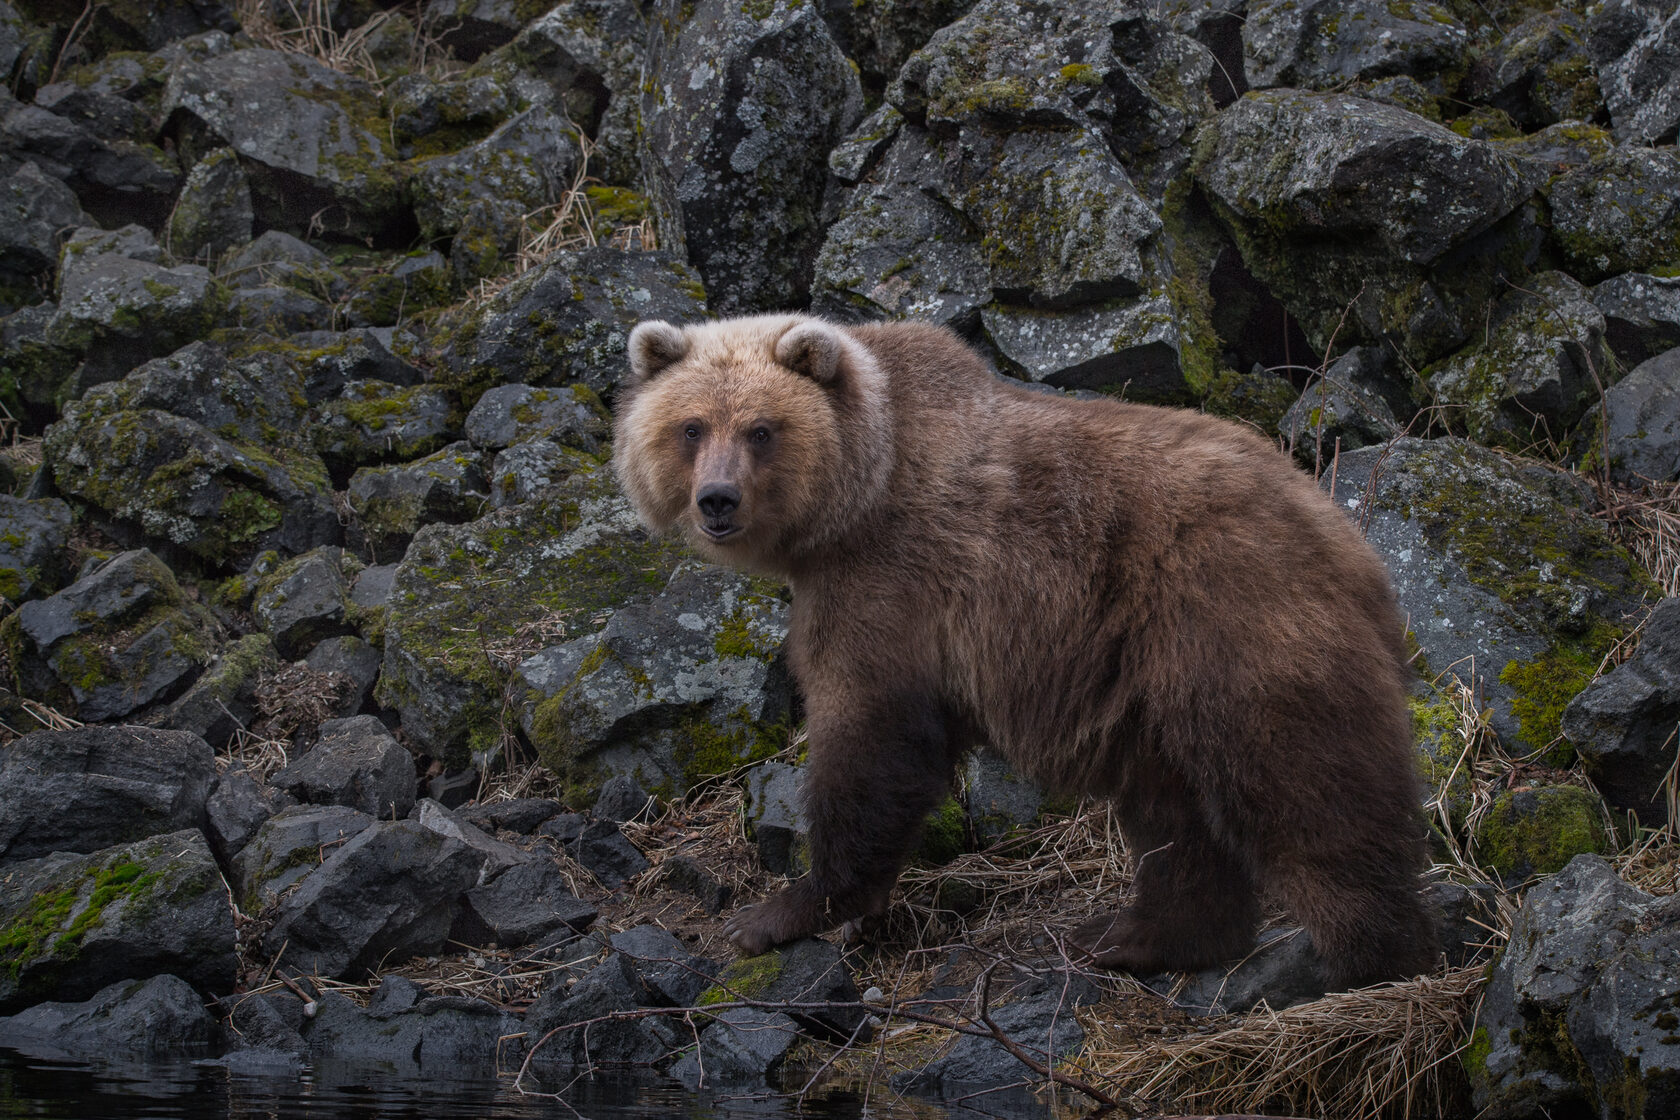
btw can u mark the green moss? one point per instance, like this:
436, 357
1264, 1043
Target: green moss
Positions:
1080, 74
705, 750
1475, 1054
1545, 685
246, 515
56, 921
748, 978
944, 835
1439, 745
1538, 831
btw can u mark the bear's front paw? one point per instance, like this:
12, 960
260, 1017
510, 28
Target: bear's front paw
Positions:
786, 917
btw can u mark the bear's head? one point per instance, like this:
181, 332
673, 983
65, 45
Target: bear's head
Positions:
759, 439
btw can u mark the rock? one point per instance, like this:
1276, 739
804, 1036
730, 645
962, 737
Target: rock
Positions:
568, 559
1537, 830
1622, 724
288, 846
474, 28
1467, 919
1633, 44
38, 211
303, 601
689, 877
498, 857
351, 658
519, 814
121, 913
1508, 583
521, 167
1578, 1010
236, 808
377, 422
222, 497
119, 311
1543, 73
743, 1046
421, 107
213, 213
609, 986
602, 850
1641, 429
1619, 213
276, 310
1540, 363
410, 1033
112, 642
92, 787
1342, 408
312, 142
33, 537
1038, 1016
672, 975
1324, 44
528, 904
568, 319
355, 763
38, 374
276, 257
330, 361
528, 470
413, 283
1641, 315
621, 799
131, 1020
1281, 970
391, 892
741, 110
999, 801
393, 503
222, 701
1129, 346
572, 416
775, 817
116, 180
261, 1037
805, 971
684, 686
1363, 206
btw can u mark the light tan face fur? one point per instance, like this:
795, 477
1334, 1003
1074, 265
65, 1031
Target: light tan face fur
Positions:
724, 444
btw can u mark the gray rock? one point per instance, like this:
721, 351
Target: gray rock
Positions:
527, 470
119, 311
622, 799
528, 904
515, 413
42, 373
288, 846
880, 37
372, 589
805, 971
568, 319
524, 165
858, 154
672, 690
1344, 407
261, 1036
422, 106
498, 856
998, 800
1467, 919
311, 139
1538, 365
117, 180
775, 817
132, 240
740, 114
1130, 346
604, 851
391, 892
1641, 315
519, 814
275, 257
1578, 1011
236, 808
1642, 422
38, 214
1622, 724
374, 422
743, 1046
1506, 580
1282, 969
1324, 44
386, 297
131, 1020
393, 503
303, 602
566, 560
121, 913
409, 1031
112, 642
331, 360
1543, 73
1633, 43
672, 975
354, 659
213, 213
90, 788
1038, 1016
355, 763
33, 537
474, 28
1620, 213
222, 701
683, 874
609, 986
276, 310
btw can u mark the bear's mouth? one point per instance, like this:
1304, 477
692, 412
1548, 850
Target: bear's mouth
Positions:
719, 530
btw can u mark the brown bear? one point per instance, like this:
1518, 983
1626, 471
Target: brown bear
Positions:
1139, 603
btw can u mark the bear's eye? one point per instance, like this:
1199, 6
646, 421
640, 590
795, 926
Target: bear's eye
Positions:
760, 434
691, 431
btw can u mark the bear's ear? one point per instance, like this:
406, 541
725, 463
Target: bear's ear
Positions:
655, 345
814, 349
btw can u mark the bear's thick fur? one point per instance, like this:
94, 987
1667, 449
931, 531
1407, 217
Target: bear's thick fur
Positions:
1144, 604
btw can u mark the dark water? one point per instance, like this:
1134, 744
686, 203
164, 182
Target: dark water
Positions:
35, 1087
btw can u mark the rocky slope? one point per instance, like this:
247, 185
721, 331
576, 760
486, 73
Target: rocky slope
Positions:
309, 339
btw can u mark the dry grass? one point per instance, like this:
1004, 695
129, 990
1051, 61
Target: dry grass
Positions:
307, 29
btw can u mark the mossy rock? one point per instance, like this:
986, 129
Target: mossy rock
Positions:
1536, 831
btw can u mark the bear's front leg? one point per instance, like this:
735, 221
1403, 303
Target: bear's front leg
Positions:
874, 773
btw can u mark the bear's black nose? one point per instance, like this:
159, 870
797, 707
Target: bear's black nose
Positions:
718, 499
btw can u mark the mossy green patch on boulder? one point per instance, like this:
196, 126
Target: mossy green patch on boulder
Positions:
1535, 831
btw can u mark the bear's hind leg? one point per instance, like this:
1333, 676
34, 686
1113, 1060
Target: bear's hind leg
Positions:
1193, 897
1360, 903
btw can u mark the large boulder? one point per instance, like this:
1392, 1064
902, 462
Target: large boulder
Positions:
311, 139
685, 686
1641, 422
1641, 315
1506, 580
355, 763
131, 1020
37, 215
92, 787
1619, 213
392, 503
119, 310
1633, 43
1325, 44
1579, 1013
741, 107
76, 923
520, 168
288, 846
116, 640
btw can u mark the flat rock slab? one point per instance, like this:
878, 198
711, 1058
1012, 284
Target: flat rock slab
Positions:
529, 904
131, 1020
356, 763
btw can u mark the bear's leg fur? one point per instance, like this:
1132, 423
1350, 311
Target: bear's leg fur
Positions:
1193, 897
858, 832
